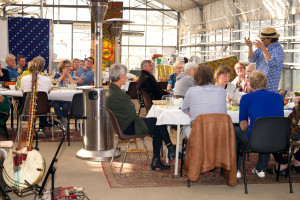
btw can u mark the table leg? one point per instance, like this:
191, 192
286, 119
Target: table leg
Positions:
12, 114
169, 129
177, 150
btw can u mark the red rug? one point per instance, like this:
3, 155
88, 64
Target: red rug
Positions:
136, 175
47, 136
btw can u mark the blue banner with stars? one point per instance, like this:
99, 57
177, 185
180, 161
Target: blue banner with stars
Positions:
29, 37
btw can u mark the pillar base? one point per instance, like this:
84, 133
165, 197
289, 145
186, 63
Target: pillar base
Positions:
97, 156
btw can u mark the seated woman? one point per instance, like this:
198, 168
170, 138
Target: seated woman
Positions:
75, 64
43, 83
203, 98
239, 81
130, 123
63, 77
259, 103
178, 66
222, 76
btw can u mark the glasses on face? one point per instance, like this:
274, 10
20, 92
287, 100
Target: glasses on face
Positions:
249, 71
90, 61
239, 68
178, 67
263, 39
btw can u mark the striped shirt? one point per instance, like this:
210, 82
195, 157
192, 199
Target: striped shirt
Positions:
272, 68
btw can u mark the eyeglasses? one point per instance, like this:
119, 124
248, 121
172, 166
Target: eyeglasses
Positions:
249, 71
178, 67
239, 68
90, 61
262, 39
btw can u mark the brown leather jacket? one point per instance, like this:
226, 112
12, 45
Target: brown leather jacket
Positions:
211, 144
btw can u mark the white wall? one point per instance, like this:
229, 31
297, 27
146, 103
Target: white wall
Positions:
3, 41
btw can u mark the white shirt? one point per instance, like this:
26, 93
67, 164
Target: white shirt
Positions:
43, 83
232, 90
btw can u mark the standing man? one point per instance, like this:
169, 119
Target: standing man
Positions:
148, 82
11, 66
268, 56
85, 75
21, 60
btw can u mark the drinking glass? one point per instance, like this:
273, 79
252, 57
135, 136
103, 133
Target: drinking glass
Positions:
168, 102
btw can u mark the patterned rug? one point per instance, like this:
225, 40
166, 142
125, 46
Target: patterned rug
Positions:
47, 136
135, 174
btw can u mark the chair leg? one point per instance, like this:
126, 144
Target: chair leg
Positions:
112, 159
127, 146
138, 152
184, 141
68, 129
140, 109
188, 183
289, 173
76, 125
277, 172
145, 146
244, 170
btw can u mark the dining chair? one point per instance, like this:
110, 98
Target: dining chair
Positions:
4, 117
268, 135
132, 91
42, 108
211, 144
147, 99
128, 139
76, 112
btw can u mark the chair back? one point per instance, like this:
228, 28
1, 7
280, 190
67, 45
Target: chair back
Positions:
116, 126
282, 92
42, 103
163, 85
147, 99
77, 105
132, 91
270, 135
211, 144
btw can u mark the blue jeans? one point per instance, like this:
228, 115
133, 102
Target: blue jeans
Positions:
61, 108
263, 159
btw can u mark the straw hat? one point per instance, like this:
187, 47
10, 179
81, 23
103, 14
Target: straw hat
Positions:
268, 33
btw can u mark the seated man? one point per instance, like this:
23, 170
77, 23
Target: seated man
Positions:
131, 124
85, 75
239, 81
259, 103
185, 80
11, 67
148, 82
43, 84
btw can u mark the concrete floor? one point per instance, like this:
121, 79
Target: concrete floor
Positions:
80, 173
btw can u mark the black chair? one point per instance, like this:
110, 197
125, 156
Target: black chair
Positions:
268, 135
76, 112
141, 102
127, 139
163, 85
4, 117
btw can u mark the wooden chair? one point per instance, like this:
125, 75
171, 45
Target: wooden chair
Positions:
127, 139
132, 91
147, 100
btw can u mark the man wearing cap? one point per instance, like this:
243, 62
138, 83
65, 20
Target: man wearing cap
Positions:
268, 56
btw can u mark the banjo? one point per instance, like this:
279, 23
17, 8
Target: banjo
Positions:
24, 166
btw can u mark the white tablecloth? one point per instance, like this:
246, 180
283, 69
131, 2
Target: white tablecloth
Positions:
58, 95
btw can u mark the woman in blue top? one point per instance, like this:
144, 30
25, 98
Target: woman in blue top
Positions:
260, 103
63, 78
178, 66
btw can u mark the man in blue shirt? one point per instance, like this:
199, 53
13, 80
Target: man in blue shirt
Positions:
268, 56
85, 75
11, 66
260, 103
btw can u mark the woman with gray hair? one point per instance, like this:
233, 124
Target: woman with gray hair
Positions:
185, 80
130, 123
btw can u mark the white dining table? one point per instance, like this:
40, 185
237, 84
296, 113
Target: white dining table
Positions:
174, 116
56, 94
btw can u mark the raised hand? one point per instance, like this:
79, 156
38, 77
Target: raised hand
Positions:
248, 42
259, 44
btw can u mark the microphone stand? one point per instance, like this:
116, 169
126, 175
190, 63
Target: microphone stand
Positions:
52, 169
